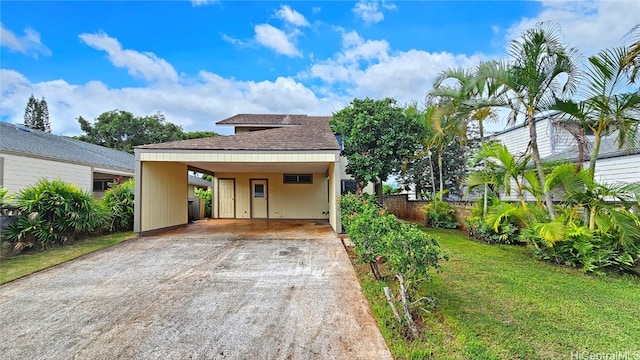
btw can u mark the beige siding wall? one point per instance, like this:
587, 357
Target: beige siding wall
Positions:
22, 171
286, 201
164, 195
334, 192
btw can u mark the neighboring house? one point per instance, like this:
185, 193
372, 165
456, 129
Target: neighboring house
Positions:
273, 167
28, 155
613, 165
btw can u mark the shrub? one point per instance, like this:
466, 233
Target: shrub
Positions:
119, 200
53, 212
439, 214
479, 229
205, 195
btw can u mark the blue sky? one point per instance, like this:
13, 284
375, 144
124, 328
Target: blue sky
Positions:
202, 61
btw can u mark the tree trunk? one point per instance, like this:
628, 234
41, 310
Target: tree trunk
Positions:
485, 197
440, 171
594, 156
533, 144
433, 178
405, 306
387, 294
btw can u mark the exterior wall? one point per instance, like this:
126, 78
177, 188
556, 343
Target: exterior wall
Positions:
286, 201
20, 172
402, 207
163, 195
618, 170
517, 138
369, 189
238, 157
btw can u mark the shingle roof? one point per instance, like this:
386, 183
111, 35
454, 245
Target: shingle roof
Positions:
311, 133
19, 139
263, 119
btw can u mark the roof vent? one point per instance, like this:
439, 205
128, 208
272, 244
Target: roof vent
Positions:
287, 119
23, 127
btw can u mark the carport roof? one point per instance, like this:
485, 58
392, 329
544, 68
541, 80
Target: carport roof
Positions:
310, 133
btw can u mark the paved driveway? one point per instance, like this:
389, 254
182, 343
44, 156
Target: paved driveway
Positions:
215, 290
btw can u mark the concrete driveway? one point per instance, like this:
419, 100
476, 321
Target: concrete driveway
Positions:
215, 290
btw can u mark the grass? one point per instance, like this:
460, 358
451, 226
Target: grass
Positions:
15, 267
497, 302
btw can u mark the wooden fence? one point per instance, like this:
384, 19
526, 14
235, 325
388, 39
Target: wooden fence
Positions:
402, 207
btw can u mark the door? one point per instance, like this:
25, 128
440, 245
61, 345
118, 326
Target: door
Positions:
227, 198
259, 199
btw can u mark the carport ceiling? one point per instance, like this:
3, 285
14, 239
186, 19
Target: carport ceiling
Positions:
261, 167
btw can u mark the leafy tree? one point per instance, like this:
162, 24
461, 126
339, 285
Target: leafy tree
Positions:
119, 199
377, 136
540, 70
200, 134
121, 130
36, 114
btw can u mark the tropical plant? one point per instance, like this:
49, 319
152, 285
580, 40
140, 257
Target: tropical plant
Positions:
608, 107
540, 70
119, 200
632, 60
439, 214
54, 212
5, 197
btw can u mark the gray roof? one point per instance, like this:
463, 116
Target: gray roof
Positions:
608, 149
194, 180
19, 139
310, 133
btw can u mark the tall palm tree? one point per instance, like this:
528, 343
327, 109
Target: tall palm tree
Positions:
471, 97
540, 70
607, 109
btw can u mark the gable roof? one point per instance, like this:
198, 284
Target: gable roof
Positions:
22, 140
310, 133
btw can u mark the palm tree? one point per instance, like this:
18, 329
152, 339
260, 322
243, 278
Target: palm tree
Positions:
606, 110
541, 69
632, 60
470, 97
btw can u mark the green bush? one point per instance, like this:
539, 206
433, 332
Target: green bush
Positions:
205, 195
479, 229
439, 214
53, 212
120, 203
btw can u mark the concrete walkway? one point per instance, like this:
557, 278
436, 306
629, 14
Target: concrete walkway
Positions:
215, 290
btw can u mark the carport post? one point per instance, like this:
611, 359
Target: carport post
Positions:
137, 195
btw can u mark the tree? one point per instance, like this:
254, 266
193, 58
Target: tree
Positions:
200, 134
121, 130
377, 136
606, 109
36, 114
632, 60
541, 70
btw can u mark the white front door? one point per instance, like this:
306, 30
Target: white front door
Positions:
259, 199
227, 198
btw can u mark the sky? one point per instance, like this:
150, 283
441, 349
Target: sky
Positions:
201, 61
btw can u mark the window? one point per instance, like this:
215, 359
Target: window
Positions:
298, 179
348, 187
258, 190
101, 185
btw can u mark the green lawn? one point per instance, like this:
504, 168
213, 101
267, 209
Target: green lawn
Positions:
497, 302
15, 267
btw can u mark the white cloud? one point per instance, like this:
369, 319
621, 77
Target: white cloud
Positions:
197, 3
590, 25
291, 16
28, 44
146, 65
368, 11
196, 103
276, 40
369, 68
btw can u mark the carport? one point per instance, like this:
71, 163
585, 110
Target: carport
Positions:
291, 172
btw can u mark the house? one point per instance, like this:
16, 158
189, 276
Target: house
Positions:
273, 167
29, 155
555, 143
